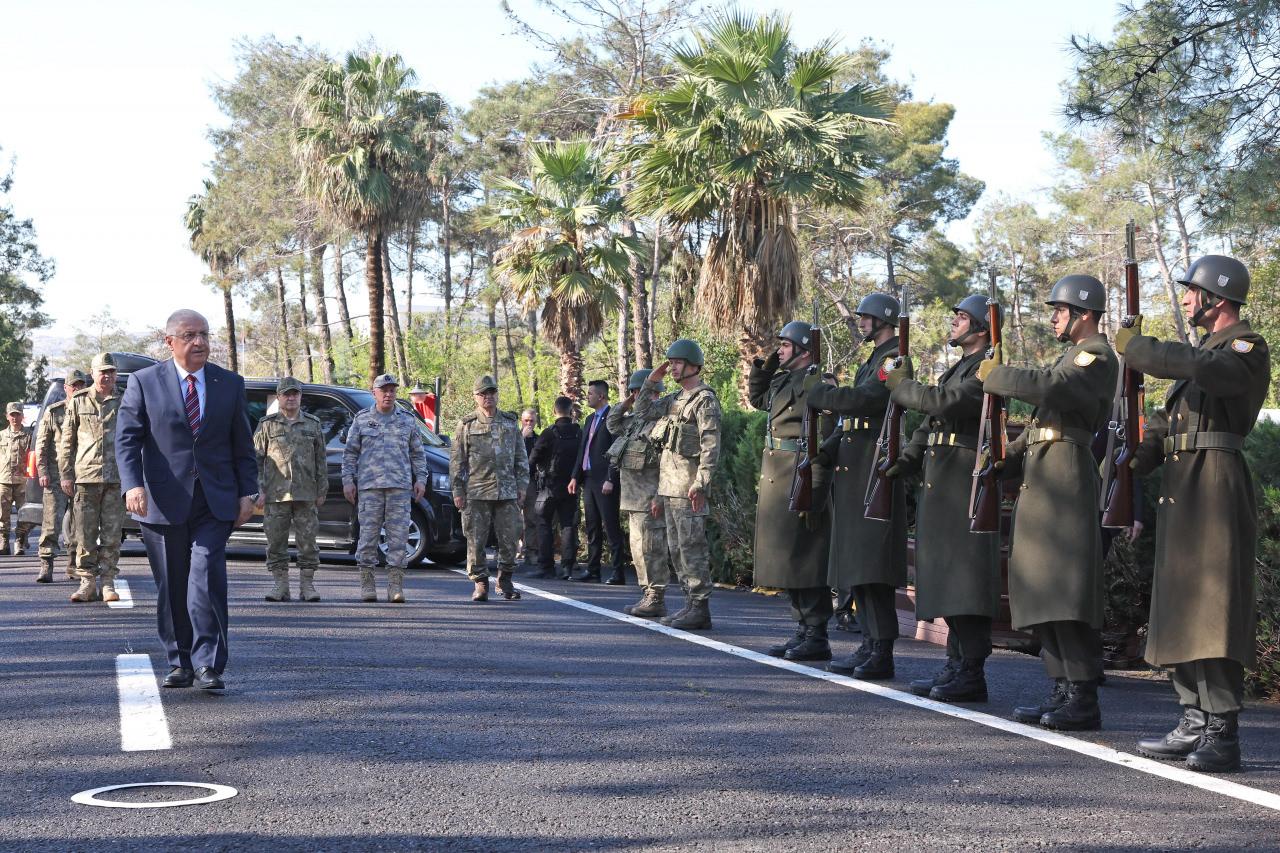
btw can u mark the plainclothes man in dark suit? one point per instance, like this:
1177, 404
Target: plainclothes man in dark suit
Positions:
189, 475
529, 537
551, 462
600, 488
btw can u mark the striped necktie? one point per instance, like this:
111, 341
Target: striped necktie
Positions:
193, 404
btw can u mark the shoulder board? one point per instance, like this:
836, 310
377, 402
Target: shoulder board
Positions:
1241, 345
511, 416
471, 417
1084, 359
61, 404
83, 391
310, 416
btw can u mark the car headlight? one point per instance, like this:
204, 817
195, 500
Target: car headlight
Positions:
440, 483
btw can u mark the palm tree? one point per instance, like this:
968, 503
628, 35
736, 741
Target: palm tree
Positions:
750, 128
565, 258
359, 145
219, 255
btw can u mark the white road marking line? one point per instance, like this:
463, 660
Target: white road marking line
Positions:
1214, 784
142, 723
126, 597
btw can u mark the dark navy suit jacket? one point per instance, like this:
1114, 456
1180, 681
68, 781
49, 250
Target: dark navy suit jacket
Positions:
155, 448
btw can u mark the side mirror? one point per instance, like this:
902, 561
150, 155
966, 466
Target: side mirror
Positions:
444, 439
342, 436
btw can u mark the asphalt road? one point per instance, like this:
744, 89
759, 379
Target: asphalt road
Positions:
538, 724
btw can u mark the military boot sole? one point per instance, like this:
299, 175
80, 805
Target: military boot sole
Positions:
1059, 724
1166, 752
44, 578
1030, 716
1201, 764
799, 654
314, 597
369, 597
938, 695
270, 597
397, 598
873, 674
922, 687
651, 613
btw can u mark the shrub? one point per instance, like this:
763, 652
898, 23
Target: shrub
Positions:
1263, 452
732, 525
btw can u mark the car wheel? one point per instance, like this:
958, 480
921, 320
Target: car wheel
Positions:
417, 539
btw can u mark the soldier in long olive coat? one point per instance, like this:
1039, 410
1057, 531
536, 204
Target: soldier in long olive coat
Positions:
1055, 563
1202, 600
791, 548
869, 556
957, 572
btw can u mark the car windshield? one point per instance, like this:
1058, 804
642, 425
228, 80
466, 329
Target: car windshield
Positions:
364, 399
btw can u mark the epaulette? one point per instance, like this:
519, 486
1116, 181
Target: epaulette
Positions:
311, 416
466, 419
511, 416
85, 390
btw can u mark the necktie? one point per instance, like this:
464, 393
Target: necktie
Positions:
193, 404
591, 434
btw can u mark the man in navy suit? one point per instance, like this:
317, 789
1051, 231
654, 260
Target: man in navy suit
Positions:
189, 476
600, 490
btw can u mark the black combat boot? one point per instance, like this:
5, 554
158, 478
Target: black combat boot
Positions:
696, 618
781, 649
1031, 714
618, 578
878, 667
968, 685
853, 661
815, 645
1080, 713
922, 686
1219, 749
587, 576
1180, 742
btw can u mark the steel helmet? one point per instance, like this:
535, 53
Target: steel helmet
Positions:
1219, 274
637, 380
686, 350
1079, 291
799, 333
975, 305
882, 306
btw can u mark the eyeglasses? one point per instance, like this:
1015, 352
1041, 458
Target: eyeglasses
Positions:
188, 337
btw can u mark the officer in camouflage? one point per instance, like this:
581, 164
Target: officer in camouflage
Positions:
1203, 605
1056, 591
636, 457
689, 433
55, 501
489, 471
87, 464
14, 444
383, 468
293, 474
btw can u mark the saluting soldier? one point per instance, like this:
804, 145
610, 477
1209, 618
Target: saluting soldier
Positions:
293, 473
383, 469
957, 572
490, 473
1203, 611
868, 555
1055, 562
87, 464
636, 458
791, 549
689, 432
55, 501
14, 444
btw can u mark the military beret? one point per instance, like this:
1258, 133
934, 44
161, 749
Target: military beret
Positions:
485, 383
13, 409
76, 376
384, 380
103, 361
288, 383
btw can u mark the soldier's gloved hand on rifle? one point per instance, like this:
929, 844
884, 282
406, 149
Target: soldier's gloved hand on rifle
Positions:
905, 370
989, 364
1124, 334
904, 467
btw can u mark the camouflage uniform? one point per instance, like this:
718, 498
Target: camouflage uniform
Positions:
55, 500
383, 459
689, 433
86, 455
293, 474
490, 469
636, 458
14, 445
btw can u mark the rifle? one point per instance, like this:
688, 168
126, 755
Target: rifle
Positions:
879, 496
801, 499
984, 494
1126, 425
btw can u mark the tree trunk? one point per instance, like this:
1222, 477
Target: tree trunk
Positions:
511, 351
229, 317
571, 374
623, 363
1156, 229
446, 244
306, 322
340, 290
641, 352
493, 337
411, 246
652, 340
393, 313
284, 322
373, 291
322, 313
532, 320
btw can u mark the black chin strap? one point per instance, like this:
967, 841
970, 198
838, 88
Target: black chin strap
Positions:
876, 325
1208, 301
1076, 314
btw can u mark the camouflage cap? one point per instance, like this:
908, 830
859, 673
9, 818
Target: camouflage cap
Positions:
384, 380
288, 383
485, 383
103, 361
75, 376
13, 409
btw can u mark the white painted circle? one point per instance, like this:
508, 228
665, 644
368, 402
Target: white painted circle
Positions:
90, 798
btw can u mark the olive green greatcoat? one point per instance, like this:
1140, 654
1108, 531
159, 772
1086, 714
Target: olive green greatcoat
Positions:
1202, 597
787, 553
863, 551
1055, 560
957, 573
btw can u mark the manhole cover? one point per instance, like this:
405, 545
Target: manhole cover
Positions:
138, 798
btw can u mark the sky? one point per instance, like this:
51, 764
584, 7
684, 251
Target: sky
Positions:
104, 108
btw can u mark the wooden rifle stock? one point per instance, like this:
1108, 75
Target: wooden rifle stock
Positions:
801, 498
984, 495
1127, 426
889, 445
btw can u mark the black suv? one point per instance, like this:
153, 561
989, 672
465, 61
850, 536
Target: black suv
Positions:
435, 527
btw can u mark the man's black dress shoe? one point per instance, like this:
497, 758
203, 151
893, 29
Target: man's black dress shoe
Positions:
207, 679
617, 578
179, 677
587, 576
